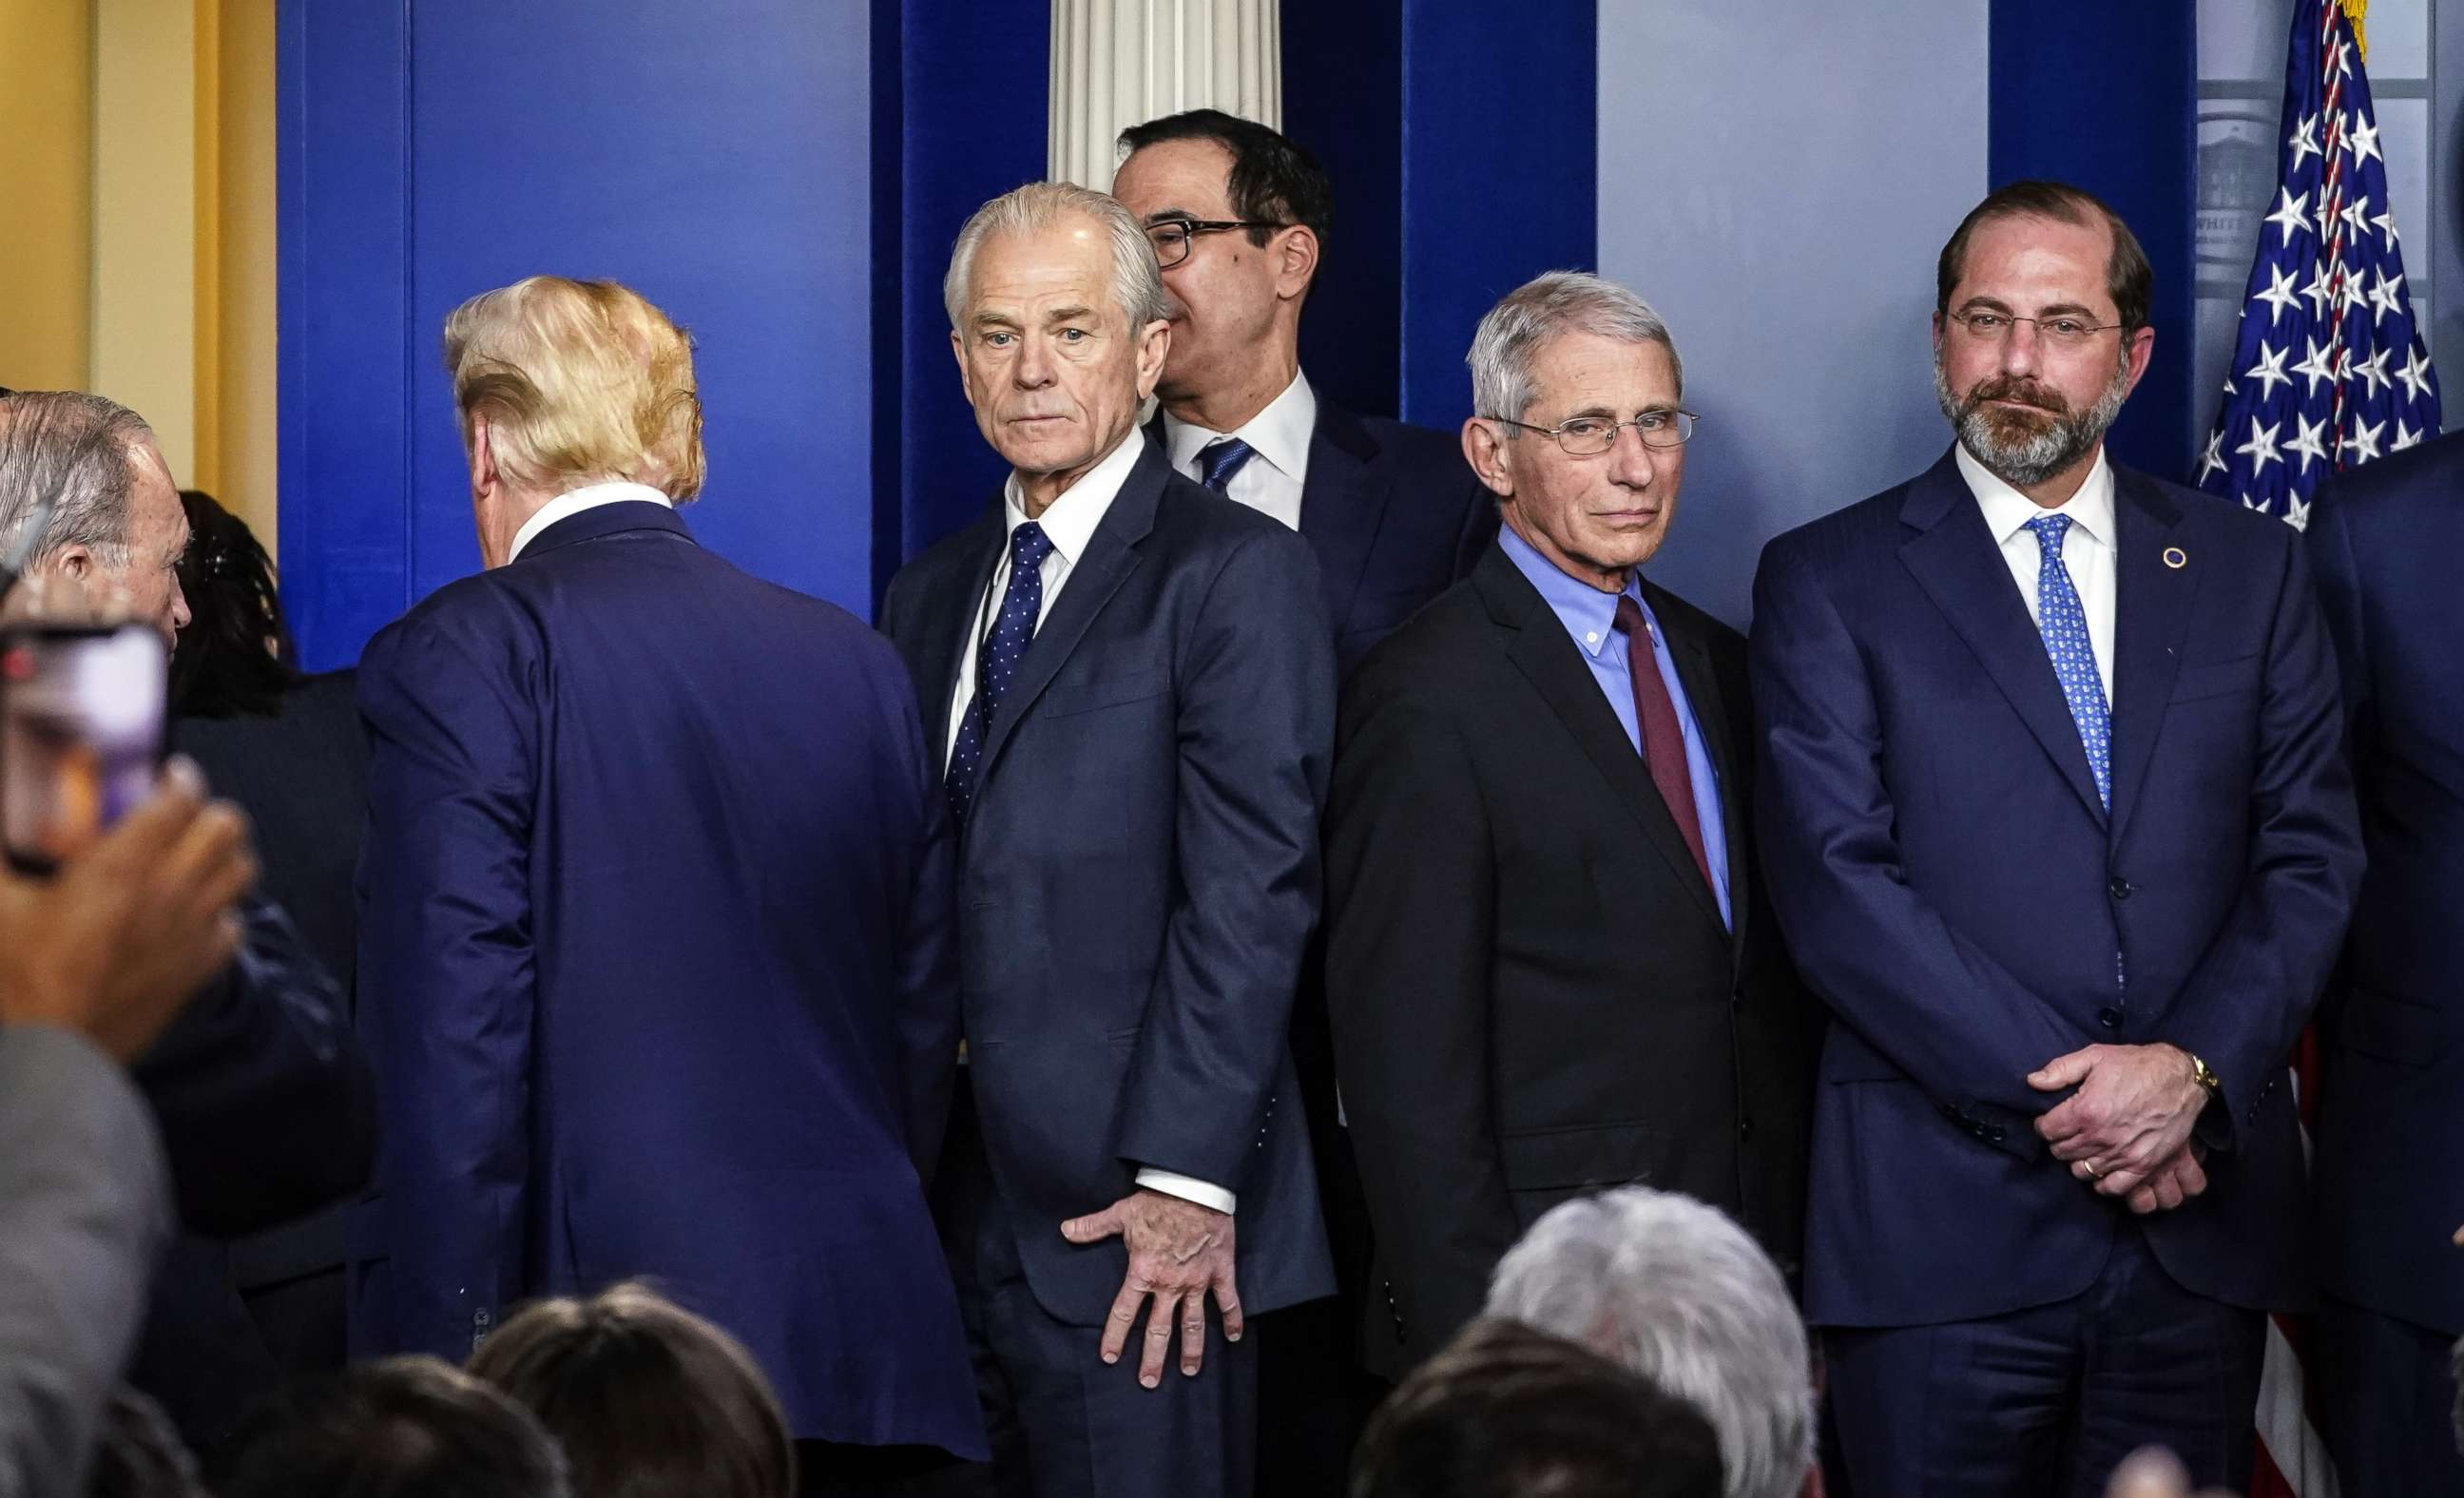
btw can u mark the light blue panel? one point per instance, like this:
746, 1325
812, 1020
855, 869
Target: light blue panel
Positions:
1777, 177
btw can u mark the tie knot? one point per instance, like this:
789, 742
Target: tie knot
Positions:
2050, 530
1219, 461
1028, 546
1629, 618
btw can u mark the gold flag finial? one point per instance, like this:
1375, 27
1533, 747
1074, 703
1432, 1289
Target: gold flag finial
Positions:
2353, 9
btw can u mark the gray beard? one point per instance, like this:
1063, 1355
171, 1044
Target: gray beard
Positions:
2021, 458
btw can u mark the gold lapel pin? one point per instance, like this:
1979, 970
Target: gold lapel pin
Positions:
2176, 558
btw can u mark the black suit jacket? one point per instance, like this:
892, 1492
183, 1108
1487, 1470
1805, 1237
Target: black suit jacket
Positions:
1394, 516
1138, 874
1533, 991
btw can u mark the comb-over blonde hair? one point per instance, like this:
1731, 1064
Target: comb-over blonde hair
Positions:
581, 381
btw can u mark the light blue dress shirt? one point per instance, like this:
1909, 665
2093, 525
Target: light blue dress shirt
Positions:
1589, 616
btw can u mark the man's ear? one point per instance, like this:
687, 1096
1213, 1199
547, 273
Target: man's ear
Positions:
483, 456
1485, 449
75, 560
1154, 343
1295, 252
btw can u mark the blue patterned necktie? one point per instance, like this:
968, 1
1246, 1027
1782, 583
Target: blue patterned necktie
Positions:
2063, 623
997, 661
1219, 461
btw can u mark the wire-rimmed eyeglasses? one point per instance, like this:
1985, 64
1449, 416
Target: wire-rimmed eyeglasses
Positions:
1589, 436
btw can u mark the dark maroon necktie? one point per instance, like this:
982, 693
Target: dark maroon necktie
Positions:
1664, 741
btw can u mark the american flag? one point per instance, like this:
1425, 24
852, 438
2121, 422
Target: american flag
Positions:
2329, 371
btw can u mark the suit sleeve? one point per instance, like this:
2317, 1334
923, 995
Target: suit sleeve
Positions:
928, 973
88, 1210
2245, 1004
1411, 880
446, 978
267, 1107
1256, 732
1890, 968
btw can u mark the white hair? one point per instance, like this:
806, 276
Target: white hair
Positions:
1138, 284
1676, 1292
1543, 308
81, 448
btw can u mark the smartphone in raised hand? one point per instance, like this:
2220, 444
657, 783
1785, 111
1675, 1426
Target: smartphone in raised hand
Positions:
83, 709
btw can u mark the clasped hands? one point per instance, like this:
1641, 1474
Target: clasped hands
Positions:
2126, 1130
1180, 1252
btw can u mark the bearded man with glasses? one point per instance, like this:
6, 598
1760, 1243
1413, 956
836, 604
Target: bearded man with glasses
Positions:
2054, 805
1550, 961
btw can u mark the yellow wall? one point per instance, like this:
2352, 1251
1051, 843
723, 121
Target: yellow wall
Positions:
46, 180
138, 259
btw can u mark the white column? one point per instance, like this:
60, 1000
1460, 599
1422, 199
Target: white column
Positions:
1116, 64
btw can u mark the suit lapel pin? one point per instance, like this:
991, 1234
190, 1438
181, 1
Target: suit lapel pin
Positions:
2176, 558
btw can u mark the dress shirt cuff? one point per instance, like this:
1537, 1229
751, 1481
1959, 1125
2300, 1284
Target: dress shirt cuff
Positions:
1213, 1198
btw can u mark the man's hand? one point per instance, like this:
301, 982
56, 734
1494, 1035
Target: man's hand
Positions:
2135, 1109
117, 942
2172, 1182
1179, 1251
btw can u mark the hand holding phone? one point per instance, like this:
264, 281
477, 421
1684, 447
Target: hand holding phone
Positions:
82, 719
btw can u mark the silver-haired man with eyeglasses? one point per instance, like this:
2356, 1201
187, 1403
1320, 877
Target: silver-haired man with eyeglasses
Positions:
1549, 965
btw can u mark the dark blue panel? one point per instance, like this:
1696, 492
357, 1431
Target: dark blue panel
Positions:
1499, 173
714, 156
345, 467
974, 85
1343, 99
2105, 93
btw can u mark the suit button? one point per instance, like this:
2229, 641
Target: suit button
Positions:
2120, 889
2110, 1019
1994, 1133
1744, 1131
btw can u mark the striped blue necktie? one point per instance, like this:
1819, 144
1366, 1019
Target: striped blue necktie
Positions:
1219, 461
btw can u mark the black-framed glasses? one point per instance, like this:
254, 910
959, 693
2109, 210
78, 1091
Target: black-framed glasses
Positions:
1992, 327
1589, 436
1172, 236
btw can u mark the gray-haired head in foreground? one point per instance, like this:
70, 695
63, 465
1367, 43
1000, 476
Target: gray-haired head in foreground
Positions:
1511, 335
1138, 285
1675, 1292
84, 447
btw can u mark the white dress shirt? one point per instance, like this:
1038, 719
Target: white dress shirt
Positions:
1272, 482
1069, 523
572, 502
2089, 547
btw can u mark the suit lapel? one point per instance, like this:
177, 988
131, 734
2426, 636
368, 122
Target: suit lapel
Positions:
1341, 505
1094, 579
1954, 559
2151, 614
1692, 654
946, 627
1548, 658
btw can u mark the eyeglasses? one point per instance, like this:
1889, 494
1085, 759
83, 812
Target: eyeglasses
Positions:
1172, 236
1589, 436
1992, 327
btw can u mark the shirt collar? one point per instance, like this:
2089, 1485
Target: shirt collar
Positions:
1069, 521
1588, 614
2006, 511
573, 501
1280, 433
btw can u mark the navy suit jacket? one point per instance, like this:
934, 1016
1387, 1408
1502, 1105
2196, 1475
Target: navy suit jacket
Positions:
2391, 1137
1138, 875
655, 964
1952, 886
1394, 516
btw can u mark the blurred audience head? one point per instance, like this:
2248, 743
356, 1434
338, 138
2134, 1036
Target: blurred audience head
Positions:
561, 383
1505, 1411
114, 528
648, 1400
234, 658
1669, 1288
404, 1427
137, 1454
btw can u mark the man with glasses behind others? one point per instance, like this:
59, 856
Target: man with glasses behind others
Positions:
1547, 957
2054, 806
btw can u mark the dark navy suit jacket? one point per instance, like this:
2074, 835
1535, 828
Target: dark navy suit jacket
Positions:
1394, 516
655, 962
2391, 1160
1949, 884
1138, 875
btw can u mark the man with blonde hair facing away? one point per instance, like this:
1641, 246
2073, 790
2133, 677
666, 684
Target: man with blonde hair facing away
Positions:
1672, 1290
654, 911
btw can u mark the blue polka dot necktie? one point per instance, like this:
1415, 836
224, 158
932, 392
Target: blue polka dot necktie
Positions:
2063, 623
1219, 461
997, 661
